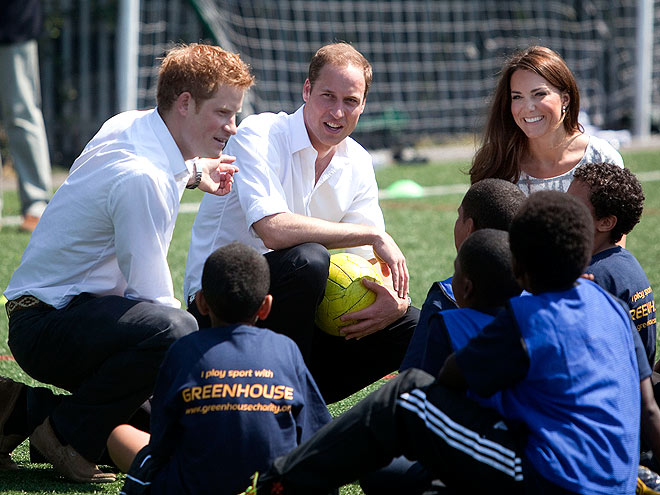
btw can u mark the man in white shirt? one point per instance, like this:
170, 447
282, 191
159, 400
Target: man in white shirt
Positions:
305, 187
91, 307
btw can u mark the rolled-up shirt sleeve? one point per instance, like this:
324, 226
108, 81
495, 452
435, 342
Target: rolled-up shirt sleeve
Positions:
257, 184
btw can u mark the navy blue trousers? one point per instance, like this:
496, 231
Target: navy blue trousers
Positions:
106, 351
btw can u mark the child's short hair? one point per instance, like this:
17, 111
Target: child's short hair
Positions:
614, 191
235, 281
551, 240
492, 203
485, 259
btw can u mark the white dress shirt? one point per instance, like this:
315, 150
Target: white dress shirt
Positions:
276, 163
108, 227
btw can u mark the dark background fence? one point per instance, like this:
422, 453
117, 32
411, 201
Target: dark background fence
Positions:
435, 62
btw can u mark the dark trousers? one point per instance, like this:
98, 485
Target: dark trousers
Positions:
106, 351
402, 477
453, 437
340, 367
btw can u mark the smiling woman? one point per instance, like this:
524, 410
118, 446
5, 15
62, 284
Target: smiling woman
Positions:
532, 135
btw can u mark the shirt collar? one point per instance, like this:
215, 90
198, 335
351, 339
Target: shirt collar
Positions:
300, 138
172, 151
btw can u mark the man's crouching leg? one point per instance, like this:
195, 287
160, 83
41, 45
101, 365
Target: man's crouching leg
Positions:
106, 351
298, 277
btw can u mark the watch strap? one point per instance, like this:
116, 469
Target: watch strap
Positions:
198, 175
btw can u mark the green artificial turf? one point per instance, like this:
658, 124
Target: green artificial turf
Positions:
422, 227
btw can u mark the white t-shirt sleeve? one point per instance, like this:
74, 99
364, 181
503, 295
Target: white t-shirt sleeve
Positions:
365, 209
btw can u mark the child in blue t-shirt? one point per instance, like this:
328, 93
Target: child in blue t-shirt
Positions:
488, 204
228, 399
483, 282
562, 360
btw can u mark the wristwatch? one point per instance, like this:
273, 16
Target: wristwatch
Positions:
197, 172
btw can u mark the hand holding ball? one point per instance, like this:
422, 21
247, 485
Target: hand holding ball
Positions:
344, 292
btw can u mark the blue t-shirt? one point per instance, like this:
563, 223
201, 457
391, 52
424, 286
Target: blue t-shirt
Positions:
439, 298
572, 379
617, 271
449, 331
227, 402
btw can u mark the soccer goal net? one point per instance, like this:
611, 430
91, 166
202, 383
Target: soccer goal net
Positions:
435, 61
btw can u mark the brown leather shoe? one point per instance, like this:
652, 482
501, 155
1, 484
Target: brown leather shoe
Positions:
9, 392
65, 458
29, 223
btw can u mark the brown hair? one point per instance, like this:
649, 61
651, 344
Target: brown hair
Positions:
339, 54
200, 70
504, 144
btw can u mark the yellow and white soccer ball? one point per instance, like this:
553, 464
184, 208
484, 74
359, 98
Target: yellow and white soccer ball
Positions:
344, 292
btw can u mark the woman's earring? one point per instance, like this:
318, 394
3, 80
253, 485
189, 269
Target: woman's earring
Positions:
563, 109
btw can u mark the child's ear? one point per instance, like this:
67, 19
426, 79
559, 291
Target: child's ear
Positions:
520, 275
201, 303
605, 224
264, 309
463, 290
468, 290
469, 225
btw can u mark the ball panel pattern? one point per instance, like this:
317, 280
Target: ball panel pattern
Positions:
344, 291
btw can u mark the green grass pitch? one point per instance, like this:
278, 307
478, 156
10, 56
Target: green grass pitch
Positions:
422, 227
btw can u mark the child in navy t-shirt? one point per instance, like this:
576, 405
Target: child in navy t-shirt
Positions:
228, 399
615, 199
483, 282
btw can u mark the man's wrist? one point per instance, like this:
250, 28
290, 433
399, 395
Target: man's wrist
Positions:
374, 236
